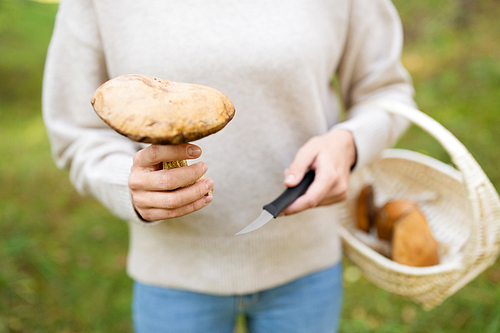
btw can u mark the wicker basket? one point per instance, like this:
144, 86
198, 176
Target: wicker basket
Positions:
464, 215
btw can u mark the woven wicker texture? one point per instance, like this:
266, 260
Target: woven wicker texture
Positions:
461, 206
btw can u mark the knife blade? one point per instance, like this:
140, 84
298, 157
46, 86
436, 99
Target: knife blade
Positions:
275, 208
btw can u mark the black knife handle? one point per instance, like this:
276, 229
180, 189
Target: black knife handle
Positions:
290, 195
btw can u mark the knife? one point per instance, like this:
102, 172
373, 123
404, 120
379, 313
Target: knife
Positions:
275, 208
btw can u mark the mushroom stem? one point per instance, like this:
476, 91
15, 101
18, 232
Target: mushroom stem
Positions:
178, 164
174, 164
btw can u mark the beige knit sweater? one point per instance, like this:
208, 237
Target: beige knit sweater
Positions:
275, 60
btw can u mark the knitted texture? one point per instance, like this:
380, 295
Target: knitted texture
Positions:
275, 60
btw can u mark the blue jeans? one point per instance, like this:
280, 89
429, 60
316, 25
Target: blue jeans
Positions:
311, 304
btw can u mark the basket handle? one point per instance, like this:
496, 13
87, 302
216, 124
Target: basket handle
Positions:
484, 233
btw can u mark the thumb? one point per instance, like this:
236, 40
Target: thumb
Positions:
302, 162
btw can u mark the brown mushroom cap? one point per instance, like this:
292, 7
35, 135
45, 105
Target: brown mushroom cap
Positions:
153, 110
413, 243
389, 214
365, 208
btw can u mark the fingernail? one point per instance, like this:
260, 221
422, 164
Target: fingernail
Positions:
193, 151
208, 198
209, 183
289, 178
204, 167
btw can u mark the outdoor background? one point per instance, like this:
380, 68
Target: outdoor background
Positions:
62, 256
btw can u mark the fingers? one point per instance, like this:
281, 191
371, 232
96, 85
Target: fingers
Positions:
161, 194
155, 154
331, 156
160, 205
166, 180
303, 161
328, 187
177, 198
156, 214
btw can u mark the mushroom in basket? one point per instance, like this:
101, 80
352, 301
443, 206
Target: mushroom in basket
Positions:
403, 224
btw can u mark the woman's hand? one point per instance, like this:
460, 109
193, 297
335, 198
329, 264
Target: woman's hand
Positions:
161, 194
331, 156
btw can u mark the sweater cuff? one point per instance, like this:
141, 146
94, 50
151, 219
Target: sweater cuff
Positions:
373, 131
113, 190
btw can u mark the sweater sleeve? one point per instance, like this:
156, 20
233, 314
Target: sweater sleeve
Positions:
371, 69
99, 159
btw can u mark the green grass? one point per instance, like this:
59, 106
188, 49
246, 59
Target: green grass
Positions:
62, 256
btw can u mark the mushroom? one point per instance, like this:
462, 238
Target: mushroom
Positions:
365, 209
389, 214
403, 233
412, 242
157, 111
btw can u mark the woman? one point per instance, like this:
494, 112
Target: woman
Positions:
275, 61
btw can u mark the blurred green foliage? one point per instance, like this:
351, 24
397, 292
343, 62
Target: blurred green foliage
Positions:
62, 256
